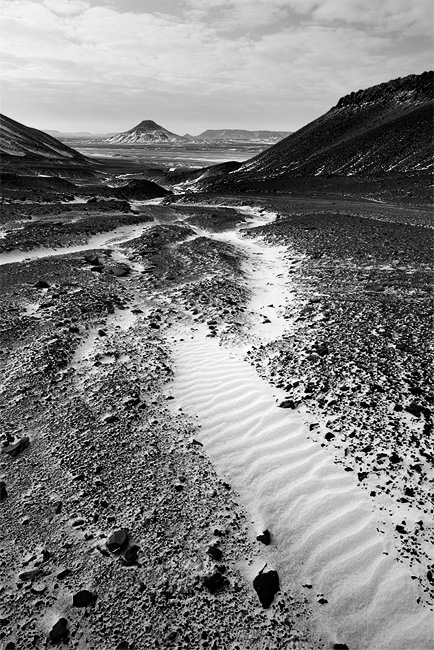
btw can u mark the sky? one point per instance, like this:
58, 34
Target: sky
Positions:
105, 65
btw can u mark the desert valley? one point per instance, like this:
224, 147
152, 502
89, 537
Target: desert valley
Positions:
216, 389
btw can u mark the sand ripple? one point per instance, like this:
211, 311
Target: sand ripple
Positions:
323, 524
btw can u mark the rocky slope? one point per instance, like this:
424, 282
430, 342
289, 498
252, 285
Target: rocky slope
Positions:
24, 147
146, 132
383, 129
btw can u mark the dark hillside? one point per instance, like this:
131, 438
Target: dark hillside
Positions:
386, 128
27, 151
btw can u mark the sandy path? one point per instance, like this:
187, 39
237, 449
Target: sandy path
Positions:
109, 239
323, 523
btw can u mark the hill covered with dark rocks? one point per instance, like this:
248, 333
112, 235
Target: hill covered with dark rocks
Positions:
385, 129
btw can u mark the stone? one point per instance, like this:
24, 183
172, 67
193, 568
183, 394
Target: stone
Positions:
131, 554
265, 538
266, 586
16, 448
117, 540
26, 576
59, 631
3, 491
120, 270
214, 552
340, 646
92, 259
288, 404
215, 582
83, 598
41, 284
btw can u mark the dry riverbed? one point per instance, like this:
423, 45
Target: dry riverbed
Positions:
119, 531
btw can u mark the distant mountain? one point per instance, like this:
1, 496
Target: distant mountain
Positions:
385, 128
75, 134
239, 135
146, 132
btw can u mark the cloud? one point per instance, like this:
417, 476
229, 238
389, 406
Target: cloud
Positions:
384, 15
98, 59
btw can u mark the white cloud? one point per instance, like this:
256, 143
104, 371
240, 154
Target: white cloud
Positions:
94, 59
385, 15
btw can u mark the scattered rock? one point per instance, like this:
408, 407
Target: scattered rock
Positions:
120, 270
215, 582
83, 598
59, 631
92, 259
3, 491
26, 576
265, 538
117, 540
215, 552
266, 586
41, 284
16, 448
131, 555
288, 404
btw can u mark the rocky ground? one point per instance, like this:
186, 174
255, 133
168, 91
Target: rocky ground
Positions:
359, 357
117, 531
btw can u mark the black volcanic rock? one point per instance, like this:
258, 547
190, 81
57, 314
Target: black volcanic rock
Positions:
59, 631
83, 598
386, 128
266, 586
117, 540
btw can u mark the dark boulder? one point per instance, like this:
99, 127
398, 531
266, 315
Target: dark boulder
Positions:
83, 598
117, 540
265, 538
120, 270
215, 582
215, 552
266, 586
131, 555
288, 404
59, 631
17, 447
92, 259
3, 492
